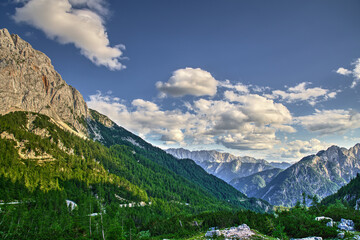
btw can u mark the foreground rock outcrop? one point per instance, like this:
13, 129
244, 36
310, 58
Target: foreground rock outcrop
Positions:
241, 232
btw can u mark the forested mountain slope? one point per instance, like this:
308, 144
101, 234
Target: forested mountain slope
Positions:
350, 193
111, 134
250, 185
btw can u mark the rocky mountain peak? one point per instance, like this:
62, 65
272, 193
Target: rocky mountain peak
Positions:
29, 82
221, 164
321, 174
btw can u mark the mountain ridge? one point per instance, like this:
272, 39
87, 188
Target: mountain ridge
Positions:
225, 165
319, 174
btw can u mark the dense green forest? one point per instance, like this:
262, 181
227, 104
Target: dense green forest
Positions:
45, 215
349, 194
42, 166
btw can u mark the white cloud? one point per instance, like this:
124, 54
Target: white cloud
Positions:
238, 87
249, 122
298, 149
145, 105
343, 71
355, 72
143, 117
172, 136
257, 139
260, 109
189, 81
330, 121
302, 93
84, 27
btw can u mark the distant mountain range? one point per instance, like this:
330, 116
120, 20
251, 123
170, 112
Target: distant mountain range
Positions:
225, 165
321, 174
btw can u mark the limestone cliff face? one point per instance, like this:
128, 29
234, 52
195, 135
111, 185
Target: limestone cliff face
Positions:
28, 82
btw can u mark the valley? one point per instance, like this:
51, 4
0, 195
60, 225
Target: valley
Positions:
107, 107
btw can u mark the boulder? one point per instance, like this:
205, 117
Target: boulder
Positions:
213, 233
241, 232
330, 224
323, 218
346, 224
341, 235
357, 206
70, 204
243, 227
308, 238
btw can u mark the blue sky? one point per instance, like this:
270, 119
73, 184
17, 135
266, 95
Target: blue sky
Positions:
270, 79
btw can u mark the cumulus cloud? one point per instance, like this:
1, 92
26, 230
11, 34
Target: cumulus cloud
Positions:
143, 117
303, 93
355, 72
343, 71
260, 109
242, 123
298, 148
258, 139
83, 27
330, 121
239, 87
189, 81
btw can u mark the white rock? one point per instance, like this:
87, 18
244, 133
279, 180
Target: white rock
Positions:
212, 233
240, 232
330, 224
70, 204
308, 238
323, 218
341, 235
357, 206
346, 224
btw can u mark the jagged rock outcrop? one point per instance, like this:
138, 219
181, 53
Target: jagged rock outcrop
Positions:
223, 165
29, 82
321, 174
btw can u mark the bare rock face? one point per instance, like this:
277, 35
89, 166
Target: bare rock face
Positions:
321, 174
223, 165
28, 82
